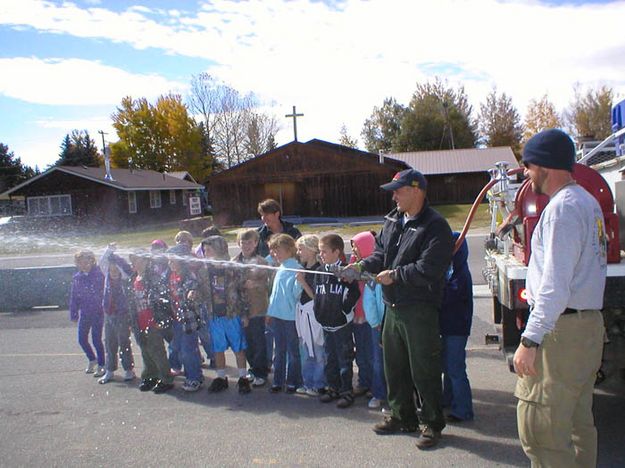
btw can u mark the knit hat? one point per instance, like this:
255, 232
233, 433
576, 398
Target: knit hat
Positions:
551, 148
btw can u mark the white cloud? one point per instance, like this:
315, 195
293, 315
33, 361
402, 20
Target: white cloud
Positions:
76, 82
335, 65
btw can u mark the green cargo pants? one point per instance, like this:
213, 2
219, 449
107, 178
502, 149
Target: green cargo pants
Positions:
554, 413
412, 358
155, 362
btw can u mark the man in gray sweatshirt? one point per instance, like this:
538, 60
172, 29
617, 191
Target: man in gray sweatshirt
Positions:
560, 350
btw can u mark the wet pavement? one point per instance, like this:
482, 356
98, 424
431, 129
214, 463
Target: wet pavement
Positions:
53, 414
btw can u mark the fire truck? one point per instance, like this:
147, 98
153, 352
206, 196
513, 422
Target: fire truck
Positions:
515, 210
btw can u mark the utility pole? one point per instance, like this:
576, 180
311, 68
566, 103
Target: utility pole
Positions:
103, 144
294, 115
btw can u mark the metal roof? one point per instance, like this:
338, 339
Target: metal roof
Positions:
456, 161
123, 179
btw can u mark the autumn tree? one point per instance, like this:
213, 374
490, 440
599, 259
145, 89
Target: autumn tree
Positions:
235, 127
540, 115
381, 129
12, 170
588, 116
78, 149
437, 117
345, 139
499, 122
161, 137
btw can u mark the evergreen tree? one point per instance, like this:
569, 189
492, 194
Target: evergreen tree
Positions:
438, 117
78, 149
12, 171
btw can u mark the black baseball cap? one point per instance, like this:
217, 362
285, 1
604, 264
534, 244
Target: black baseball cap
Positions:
407, 178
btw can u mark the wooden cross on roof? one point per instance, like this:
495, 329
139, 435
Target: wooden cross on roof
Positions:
294, 115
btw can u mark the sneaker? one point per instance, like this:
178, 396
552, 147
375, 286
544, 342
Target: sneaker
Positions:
374, 403
275, 389
345, 401
91, 367
291, 389
162, 387
177, 372
360, 391
244, 386
328, 397
147, 384
129, 375
218, 385
429, 438
108, 376
258, 382
301, 390
312, 392
392, 425
99, 372
191, 386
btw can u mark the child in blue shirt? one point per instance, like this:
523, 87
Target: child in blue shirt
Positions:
285, 294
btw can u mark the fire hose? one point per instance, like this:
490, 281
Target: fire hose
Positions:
476, 204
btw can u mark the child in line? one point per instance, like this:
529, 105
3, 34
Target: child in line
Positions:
184, 344
225, 324
362, 342
334, 309
362, 246
455, 322
285, 294
254, 290
156, 375
85, 307
308, 329
116, 315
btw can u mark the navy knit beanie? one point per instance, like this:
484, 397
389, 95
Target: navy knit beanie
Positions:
550, 148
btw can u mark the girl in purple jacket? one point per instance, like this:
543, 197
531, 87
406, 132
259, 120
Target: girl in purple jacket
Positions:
85, 307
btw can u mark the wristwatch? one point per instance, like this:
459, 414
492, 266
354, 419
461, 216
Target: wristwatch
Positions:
527, 343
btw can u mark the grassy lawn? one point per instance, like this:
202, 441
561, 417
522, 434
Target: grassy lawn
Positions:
31, 244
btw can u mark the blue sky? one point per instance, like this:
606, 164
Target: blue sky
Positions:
66, 65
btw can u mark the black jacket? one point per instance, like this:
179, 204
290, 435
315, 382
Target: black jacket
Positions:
265, 233
334, 301
420, 251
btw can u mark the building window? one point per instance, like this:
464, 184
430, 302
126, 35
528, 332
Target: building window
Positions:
172, 197
132, 202
185, 195
52, 205
155, 198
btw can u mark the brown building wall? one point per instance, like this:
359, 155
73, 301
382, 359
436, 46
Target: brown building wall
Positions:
308, 179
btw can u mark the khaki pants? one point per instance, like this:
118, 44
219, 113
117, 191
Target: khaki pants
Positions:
554, 413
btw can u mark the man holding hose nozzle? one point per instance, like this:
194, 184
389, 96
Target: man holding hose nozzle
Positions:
412, 254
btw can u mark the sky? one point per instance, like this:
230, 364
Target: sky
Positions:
67, 65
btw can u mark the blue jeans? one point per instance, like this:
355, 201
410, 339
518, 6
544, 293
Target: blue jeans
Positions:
184, 351
313, 367
94, 323
456, 387
256, 352
339, 369
286, 353
378, 382
364, 357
